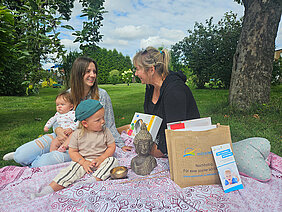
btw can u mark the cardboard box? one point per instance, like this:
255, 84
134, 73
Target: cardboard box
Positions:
152, 122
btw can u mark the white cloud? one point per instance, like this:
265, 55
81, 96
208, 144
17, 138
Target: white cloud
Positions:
112, 42
278, 40
172, 34
70, 45
131, 32
155, 41
130, 25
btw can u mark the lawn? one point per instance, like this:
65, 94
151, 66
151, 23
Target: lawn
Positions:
22, 118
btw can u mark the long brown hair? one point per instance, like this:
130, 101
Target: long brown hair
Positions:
78, 71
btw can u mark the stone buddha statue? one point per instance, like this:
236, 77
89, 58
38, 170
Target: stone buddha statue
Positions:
143, 163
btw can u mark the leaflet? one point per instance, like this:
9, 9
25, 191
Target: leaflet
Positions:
227, 168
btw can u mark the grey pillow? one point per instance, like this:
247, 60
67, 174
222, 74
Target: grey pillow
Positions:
250, 155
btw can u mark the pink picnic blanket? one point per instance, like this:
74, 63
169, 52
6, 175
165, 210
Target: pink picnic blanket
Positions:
155, 192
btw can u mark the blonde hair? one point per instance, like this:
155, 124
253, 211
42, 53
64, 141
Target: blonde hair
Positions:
80, 126
153, 57
78, 71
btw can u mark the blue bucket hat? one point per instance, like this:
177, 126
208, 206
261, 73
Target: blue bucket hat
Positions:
86, 109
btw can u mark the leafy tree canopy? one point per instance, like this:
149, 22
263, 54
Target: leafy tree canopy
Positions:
208, 50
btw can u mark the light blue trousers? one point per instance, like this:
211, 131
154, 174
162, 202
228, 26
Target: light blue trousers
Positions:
36, 153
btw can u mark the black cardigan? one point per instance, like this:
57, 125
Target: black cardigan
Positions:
176, 103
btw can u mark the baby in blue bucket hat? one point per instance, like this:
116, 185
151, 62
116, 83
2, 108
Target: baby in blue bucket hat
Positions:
91, 149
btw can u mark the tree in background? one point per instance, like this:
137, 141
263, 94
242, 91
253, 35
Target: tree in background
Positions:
114, 77
208, 50
109, 60
33, 38
277, 72
89, 36
10, 56
253, 59
67, 65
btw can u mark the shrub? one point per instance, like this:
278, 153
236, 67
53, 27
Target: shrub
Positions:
114, 77
127, 76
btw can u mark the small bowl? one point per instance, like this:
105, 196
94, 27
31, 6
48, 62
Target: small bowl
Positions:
119, 172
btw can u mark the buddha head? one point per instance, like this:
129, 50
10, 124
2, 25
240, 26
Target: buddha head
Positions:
143, 141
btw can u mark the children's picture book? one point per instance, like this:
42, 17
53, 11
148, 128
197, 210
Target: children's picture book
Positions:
227, 168
152, 122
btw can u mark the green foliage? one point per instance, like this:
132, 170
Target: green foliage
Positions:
277, 72
30, 89
109, 60
213, 83
208, 50
67, 64
90, 36
127, 76
114, 77
29, 37
10, 56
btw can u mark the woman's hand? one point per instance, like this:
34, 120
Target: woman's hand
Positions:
156, 152
60, 132
126, 148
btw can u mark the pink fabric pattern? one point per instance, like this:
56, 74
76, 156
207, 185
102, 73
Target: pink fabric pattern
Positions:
155, 192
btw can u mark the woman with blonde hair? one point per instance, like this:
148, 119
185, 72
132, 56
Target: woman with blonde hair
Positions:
167, 95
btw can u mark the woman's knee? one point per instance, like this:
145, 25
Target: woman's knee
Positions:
51, 158
28, 152
22, 157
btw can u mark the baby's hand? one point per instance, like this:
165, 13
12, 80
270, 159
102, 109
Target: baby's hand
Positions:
46, 129
96, 162
62, 148
87, 165
68, 131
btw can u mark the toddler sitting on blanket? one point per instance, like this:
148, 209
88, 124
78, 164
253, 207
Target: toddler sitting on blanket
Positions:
65, 118
91, 149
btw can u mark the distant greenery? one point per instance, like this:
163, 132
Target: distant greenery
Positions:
29, 36
23, 118
107, 60
208, 50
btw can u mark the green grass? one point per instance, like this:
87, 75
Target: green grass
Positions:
22, 118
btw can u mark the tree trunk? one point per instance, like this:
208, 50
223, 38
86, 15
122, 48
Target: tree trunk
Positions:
253, 59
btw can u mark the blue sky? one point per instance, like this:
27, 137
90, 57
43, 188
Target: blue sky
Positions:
130, 25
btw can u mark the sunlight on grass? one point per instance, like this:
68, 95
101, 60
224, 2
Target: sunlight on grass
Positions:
23, 118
